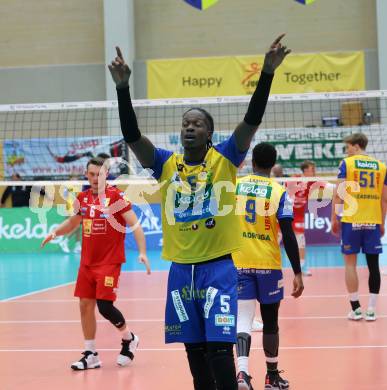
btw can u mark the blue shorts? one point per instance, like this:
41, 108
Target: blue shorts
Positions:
264, 285
201, 303
356, 236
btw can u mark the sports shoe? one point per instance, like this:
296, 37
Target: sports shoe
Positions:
244, 381
89, 360
370, 315
306, 271
64, 244
77, 247
274, 381
257, 325
355, 315
128, 349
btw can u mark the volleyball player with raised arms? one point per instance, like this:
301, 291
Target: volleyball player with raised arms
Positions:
362, 221
199, 236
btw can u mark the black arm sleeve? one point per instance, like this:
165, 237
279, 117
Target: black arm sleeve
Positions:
5, 195
290, 244
259, 100
128, 120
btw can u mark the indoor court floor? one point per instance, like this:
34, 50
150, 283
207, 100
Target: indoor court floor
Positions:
40, 332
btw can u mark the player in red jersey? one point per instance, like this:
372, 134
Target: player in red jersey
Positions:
104, 215
299, 192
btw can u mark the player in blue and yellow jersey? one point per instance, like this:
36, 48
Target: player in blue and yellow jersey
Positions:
199, 224
262, 205
362, 188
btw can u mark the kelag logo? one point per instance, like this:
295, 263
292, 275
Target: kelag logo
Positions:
201, 4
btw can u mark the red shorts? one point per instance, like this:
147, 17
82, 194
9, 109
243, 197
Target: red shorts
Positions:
299, 227
100, 282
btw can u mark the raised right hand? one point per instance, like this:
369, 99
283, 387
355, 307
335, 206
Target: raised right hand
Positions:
119, 70
275, 55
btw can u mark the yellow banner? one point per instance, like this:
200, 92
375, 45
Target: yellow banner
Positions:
234, 76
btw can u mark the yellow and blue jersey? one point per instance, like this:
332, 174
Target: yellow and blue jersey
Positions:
261, 202
370, 174
198, 203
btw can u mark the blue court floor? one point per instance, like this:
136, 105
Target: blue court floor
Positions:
22, 274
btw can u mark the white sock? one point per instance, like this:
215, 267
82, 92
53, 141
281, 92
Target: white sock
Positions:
246, 311
302, 261
126, 334
372, 302
90, 345
243, 364
354, 296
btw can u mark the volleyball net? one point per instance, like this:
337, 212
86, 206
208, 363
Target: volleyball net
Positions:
53, 142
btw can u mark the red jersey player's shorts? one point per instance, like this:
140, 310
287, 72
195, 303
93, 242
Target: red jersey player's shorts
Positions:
99, 282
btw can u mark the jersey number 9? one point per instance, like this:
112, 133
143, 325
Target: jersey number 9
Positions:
251, 215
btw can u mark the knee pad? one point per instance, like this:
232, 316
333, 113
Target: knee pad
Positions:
195, 347
221, 359
374, 278
111, 313
269, 313
373, 263
199, 366
243, 344
219, 349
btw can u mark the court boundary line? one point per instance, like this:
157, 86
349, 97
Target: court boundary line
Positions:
64, 285
285, 318
139, 271
36, 292
74, 300
294, 348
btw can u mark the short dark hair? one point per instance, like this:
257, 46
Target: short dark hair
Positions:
98, 161
105, 156
264, 155
306, 164
356, 139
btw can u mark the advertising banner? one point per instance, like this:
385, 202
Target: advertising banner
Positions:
56, 158
150, 219
294, 145
22, 232
238, 75
318, 228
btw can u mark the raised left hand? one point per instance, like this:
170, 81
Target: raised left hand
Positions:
275, 56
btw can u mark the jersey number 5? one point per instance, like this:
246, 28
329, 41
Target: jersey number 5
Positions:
225, 303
